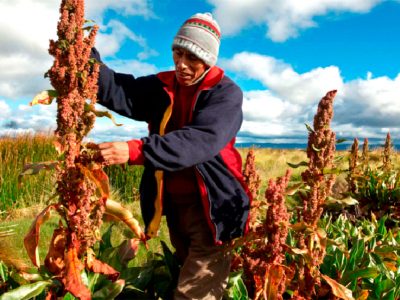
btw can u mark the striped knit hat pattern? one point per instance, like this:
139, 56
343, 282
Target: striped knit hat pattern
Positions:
200, 34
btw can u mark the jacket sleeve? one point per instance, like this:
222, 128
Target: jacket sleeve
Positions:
217, 119
124, 94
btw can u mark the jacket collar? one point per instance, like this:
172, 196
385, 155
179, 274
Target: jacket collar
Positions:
213, 76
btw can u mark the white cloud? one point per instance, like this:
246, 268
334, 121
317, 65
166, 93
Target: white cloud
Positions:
283, 80
114, 34
104, 130
26, 26
132, 67
284, 18
5, 110
361, 108
96, 8
373, 101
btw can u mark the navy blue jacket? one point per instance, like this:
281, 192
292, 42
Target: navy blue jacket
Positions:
206, 143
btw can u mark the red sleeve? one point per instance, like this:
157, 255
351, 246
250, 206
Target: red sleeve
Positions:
135, 152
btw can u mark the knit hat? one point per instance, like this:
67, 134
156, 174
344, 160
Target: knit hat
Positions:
200, 34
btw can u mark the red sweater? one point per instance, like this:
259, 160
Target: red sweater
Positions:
184, 181
181, 182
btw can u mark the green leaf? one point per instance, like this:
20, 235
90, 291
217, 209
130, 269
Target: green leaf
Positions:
370, 272
236, 289
300, 164
338, 159
383, 286
62, 44
143, 278
106, 240
339, 141
93, 280
356, 254
348, 201
309, 128
110, 291
390, 295
69, 296
335, 171
27, 291
87, 28
170, 261
3, 272
381, 226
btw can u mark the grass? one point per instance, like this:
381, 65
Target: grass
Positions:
14, 154
19, 206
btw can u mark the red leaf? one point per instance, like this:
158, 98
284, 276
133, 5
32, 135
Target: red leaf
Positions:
100, 267
31, 240
100, 178
55, 257
273, 280
72, 278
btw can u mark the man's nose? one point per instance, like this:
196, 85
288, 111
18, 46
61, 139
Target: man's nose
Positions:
182, 62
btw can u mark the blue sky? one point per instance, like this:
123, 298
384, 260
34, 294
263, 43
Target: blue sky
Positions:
284, 54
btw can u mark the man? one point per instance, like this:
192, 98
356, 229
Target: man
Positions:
192, 172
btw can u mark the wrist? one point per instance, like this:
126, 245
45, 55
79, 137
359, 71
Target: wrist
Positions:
136, 156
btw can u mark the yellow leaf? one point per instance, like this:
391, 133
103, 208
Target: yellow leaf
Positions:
337, 289
45, 97
100, 114
31, 240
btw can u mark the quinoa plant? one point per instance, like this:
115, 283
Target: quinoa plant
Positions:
353, 162
261, 256
253, 181
318, 180
365, 155
82, 186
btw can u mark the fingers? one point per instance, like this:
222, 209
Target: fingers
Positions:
114, 152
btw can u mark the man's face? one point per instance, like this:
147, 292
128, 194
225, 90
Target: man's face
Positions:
188, 67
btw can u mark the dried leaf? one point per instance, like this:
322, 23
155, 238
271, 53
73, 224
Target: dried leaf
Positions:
45, 97
273, 280
35, 168
117, 210
101, 114
100, 267
363, 295
342, 202
54, 260
31, 240
100, 178
293, 189
337, 289
72, 280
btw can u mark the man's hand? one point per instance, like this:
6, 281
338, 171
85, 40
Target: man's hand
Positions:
114, 153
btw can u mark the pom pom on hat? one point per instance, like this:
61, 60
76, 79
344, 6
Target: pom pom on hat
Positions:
200, 34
